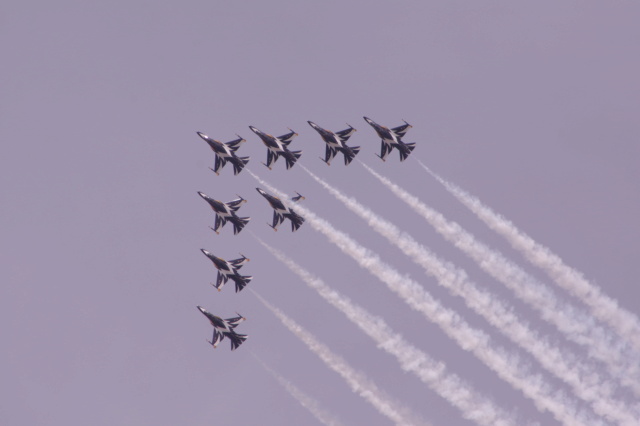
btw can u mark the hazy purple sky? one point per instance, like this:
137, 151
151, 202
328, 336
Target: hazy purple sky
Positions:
532, 107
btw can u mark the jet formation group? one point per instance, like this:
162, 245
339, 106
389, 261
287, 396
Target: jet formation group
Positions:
336, 142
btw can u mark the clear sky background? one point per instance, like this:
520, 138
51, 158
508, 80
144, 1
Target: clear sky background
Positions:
532, 107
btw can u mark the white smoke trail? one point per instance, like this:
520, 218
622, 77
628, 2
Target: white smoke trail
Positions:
472, 405
507, 366
576, 324
358, 383
305, 400
602, 306
584, 380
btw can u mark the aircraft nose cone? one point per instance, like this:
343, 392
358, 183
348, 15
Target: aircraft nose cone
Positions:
202, 195
201, 309
260, 191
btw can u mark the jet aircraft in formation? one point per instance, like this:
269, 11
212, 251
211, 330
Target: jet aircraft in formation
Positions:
229, 269
392, 138
224, 328
226, 212
280, 212
226, 152
337, 142
278, 146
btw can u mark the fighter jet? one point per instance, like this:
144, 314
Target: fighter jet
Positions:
337, 142
226, 152
229, 269
392, 138
280, 212
277, 147
226, 212
298, 197
224, 328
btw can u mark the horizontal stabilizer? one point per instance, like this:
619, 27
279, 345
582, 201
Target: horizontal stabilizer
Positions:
242, 281
350, 155
405, 149
292, 158
236, 339
296, 220
239, 223
239, 163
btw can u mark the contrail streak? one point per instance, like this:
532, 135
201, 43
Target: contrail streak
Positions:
305, 400
507, 366
358, 383
602, 306
472, 405
576, 324
583, 379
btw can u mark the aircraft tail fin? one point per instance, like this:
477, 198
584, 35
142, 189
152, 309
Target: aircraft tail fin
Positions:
296, 220
236, 339
239, 164
292, 158
349, 156
242, 282
408, 147
239, 223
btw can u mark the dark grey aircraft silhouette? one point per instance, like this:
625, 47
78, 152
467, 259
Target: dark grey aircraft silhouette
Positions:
226, 152
229, 269
392, 138
224, 328
337, 142
280, 212
277, 146
298, 197
226, 212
